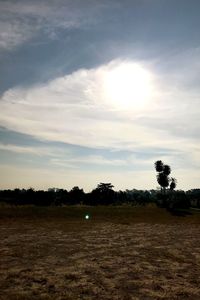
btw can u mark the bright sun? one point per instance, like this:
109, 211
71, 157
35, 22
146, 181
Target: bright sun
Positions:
128, 86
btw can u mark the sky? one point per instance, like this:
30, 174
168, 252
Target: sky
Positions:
96, 91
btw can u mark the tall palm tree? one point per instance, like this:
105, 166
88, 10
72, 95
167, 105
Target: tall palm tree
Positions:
163, 173
166, 170
163, 180
159, 166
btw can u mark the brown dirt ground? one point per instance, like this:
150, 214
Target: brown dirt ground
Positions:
55, 258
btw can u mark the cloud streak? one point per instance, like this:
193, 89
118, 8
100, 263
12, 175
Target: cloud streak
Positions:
23, 21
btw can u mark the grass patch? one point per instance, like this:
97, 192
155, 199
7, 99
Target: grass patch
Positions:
119, 253
121, 214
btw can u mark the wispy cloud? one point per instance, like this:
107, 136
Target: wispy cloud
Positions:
14, 33
94, 160
21, 149
22, 21
34, 150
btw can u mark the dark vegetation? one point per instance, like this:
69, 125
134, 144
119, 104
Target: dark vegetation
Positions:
169, 198
102, 195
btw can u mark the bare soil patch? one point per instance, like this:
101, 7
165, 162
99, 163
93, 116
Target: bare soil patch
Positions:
69, 258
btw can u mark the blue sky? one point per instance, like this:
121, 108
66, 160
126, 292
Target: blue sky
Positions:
96, 91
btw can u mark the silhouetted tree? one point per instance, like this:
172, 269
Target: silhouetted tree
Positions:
159, 166
61, 197
166, 170
168, 200
138, 197
76, 195
104, 187
194, 196
103, 194
163, 174
178, 200
121, 197
173, 184
163, 180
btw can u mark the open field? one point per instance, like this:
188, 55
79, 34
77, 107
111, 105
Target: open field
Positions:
118, 254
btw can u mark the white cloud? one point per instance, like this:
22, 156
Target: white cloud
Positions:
89, 159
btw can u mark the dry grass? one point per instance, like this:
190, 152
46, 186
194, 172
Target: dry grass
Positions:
119, 254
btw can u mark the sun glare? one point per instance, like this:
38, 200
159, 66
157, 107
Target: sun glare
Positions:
128, 86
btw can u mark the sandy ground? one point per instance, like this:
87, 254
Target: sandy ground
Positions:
55, 259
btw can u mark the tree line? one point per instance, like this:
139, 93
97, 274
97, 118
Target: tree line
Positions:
103, 194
